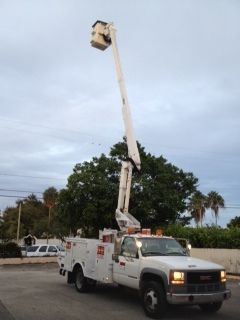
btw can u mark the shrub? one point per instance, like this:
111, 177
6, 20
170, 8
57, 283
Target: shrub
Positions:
10, 250
207, 237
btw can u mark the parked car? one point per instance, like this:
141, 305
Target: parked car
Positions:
44, 250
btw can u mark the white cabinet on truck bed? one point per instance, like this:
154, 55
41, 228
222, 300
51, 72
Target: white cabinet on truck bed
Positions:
92, 255
104, 262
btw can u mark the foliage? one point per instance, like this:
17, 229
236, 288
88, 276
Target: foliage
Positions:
158, 196
34, 219
199, 203
197, 207
207, 237
10, 250
50, 197
235, 223
215, 201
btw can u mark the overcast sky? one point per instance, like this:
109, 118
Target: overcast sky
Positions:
60, 101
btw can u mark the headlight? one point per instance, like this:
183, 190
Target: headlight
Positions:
177, 277
223, 276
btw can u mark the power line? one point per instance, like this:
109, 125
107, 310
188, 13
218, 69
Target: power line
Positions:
61, 137
232, 207
25, 191
44, 126
25, 197
91, 137
32, 177
19, 197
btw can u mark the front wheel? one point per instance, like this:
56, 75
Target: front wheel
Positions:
153, 299
211, 307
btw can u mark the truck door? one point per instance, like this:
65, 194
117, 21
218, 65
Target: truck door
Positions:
126, 269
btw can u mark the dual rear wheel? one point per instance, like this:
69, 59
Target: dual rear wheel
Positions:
82, 284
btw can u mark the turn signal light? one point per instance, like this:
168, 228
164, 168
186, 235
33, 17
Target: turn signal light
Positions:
223, 276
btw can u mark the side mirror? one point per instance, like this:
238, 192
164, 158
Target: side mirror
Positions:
115, 257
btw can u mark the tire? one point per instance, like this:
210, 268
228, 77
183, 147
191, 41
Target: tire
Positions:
153, 299
211, 307
91, 284
80, 281
121, 287
70, 277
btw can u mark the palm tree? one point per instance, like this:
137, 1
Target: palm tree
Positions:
197, 207
214, 202
50, 197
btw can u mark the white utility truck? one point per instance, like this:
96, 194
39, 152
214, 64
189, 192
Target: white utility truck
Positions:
155, 265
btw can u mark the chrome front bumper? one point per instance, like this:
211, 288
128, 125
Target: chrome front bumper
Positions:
178, 298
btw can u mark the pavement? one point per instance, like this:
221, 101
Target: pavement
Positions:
38, 292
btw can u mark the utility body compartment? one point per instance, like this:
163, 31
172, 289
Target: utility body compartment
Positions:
94, 256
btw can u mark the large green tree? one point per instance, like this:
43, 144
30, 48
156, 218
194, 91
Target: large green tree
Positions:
159, 194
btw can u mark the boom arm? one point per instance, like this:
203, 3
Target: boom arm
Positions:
103, 35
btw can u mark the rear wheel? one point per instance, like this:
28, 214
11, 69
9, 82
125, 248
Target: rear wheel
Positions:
70, 277
91, 284
80, 281
211, 307
153, 299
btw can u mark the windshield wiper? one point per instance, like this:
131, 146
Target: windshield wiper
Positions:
175, 253
153, 253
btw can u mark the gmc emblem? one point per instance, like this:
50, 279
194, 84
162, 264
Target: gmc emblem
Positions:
204, 278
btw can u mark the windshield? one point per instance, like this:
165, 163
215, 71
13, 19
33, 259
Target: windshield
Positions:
161, 247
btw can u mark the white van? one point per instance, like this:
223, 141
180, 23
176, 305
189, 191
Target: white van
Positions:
44, 250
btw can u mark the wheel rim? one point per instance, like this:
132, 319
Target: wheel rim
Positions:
150, 300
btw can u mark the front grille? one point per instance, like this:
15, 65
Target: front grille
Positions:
215, 287
200, 282
197, 288
203, 278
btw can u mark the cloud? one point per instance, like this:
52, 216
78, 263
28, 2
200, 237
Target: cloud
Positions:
60, 101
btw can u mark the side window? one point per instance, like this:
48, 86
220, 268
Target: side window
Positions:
32, 249
52, 249
129, 248
43, 249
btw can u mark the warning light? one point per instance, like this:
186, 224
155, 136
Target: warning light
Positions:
68, 246
131, 230
159, 232
146, 232
100, 251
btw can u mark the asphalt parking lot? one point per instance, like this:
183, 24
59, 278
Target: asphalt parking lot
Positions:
38, 292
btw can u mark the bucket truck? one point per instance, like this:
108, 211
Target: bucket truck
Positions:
155, 265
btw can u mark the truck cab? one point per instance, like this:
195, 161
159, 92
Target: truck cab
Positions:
160, 268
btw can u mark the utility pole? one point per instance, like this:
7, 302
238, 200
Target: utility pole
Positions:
49, 218
19, 220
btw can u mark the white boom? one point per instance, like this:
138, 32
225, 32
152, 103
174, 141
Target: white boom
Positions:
104, 35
